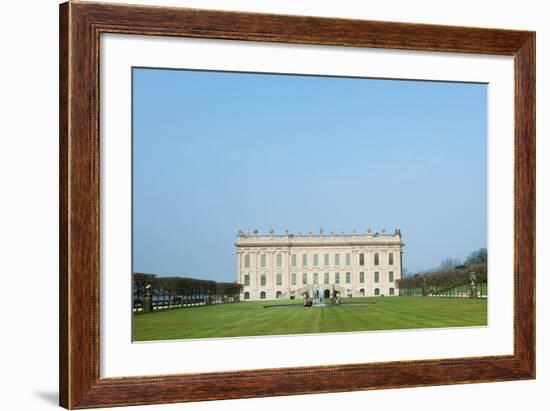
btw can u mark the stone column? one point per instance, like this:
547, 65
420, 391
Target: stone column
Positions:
239, 265
288, 269
148, 299
473, 286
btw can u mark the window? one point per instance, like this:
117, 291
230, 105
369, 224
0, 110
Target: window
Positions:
315, 260
263, 260
293, 260
247, 296
376, 277
326, 260
392, 291
362, 292
315, 278
337, 278
348, 260
336, 260
304, 260
348, 278
390, 259
376, 259
304, 278
262, 279
247, 260
279, 260
361, 277
246, 279
293, 278
262, 295
390, 279
361, 259
278, 294
327, 278
377, 291
279, 279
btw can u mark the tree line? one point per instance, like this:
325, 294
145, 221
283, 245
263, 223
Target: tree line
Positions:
171, 292
442, 280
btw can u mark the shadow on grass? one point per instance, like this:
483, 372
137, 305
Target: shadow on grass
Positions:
324, 306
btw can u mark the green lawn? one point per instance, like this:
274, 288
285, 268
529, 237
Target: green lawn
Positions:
257, 318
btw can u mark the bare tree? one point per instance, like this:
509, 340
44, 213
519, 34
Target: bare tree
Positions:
447, 279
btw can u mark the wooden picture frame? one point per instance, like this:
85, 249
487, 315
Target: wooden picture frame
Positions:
80, 27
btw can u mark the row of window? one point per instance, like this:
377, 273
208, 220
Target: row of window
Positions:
391, 291
315, 260
326, 278
362, 292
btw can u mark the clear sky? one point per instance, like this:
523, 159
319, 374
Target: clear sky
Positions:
214, 153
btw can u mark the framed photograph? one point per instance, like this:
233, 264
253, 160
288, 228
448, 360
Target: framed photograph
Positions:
260, 205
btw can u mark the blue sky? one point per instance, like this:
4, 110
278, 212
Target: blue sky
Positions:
215, 152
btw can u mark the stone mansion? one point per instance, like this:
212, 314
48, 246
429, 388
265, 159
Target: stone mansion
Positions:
286, 266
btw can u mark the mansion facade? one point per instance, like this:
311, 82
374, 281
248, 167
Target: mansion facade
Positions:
288, 266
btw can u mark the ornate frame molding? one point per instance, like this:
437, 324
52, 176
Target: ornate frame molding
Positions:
81, 24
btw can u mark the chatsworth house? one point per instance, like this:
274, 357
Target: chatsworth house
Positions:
293, 265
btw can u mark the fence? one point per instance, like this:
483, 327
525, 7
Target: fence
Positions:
183, 303
461, 291
164, 293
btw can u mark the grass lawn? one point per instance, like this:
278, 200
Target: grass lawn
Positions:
274, 318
